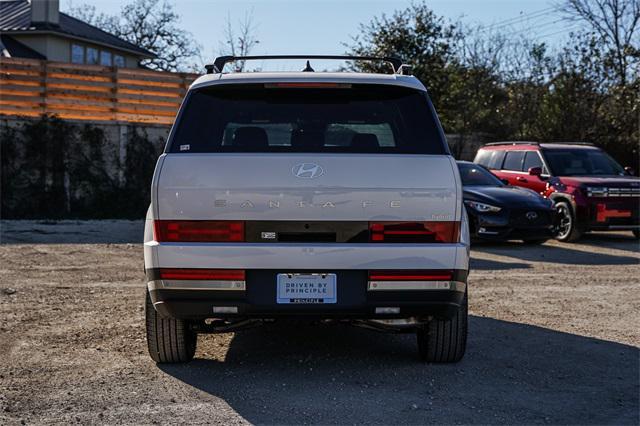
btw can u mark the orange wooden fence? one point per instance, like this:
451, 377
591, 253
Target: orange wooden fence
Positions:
89, 92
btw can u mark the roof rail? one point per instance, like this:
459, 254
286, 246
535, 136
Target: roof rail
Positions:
396, 63
572, 143
512, 143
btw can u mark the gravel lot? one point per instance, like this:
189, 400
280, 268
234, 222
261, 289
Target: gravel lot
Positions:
553, 339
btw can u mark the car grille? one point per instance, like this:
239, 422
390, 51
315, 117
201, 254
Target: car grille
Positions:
613, 192
524, 217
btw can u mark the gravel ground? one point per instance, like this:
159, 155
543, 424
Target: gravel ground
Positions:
553, 340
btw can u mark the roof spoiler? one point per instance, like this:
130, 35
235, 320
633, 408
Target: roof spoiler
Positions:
396, 63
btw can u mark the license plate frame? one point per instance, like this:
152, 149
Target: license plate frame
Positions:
306, 285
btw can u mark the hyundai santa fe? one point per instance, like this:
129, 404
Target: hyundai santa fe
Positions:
306, 195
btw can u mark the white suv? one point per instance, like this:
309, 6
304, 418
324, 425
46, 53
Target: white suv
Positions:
310, 195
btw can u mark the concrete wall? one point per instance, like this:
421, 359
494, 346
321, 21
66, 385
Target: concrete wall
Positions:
117, 136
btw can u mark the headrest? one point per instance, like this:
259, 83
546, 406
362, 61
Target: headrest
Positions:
365, 141
251, 137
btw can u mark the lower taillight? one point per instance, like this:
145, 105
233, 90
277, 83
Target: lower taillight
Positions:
202, 274
404, 275
414, 232
199, 231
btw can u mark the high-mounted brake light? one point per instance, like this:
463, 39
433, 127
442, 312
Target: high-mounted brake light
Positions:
198, 231
202, 274
414, 232
310, 85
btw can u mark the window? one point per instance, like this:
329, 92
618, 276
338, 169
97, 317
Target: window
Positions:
513, 161
118, 61
359, 118
491, 159
582, 162
77, 54
495, 162
105, 58
474, 175
92, 56
532, 159
482, 157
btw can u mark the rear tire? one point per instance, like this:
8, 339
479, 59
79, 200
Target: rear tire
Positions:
568, 231
169, 340
445, 340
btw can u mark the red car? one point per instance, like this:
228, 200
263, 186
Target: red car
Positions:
591, 191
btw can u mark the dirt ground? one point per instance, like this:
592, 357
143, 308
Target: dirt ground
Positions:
554, 337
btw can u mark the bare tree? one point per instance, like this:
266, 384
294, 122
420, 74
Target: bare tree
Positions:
150, 24
617, 22
239, 41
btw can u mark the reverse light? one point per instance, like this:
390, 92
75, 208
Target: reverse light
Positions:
414, 232
482, 207
198, 231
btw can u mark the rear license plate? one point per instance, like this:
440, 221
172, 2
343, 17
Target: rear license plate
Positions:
306, 288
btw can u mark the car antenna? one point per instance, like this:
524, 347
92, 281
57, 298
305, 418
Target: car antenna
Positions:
308, 68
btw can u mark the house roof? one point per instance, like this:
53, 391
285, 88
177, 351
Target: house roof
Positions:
15, 17
16, 49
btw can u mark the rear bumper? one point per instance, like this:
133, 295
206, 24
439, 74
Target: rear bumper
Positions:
257, 299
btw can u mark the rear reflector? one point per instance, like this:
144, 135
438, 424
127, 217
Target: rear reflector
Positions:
402, 275
198, 231
414, 232
202, 274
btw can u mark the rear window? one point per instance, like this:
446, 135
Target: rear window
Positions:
491, 159
349, 118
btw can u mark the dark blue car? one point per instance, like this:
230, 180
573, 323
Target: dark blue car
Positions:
501, 212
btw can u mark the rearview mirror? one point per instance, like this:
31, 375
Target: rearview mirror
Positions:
630, 171
535, 171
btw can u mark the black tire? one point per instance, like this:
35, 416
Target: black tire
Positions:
568, 231
169, 340
445, 340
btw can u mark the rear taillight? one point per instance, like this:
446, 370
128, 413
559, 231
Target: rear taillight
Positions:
202, 274
414, 232
402, 275
199, 231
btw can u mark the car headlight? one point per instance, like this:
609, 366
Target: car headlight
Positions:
482, 207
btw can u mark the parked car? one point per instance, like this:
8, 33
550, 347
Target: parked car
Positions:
500, 212
590, 189
327, 196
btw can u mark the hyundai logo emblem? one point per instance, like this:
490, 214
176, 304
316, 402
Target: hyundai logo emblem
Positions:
307, 170
531, 215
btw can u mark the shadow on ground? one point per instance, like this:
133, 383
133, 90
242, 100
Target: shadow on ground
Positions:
569, 254
71, 231
512, 373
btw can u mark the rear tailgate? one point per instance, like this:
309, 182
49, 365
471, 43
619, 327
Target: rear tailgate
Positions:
345, 187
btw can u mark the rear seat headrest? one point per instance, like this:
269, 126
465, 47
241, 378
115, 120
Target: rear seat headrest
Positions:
251, 137
365, 141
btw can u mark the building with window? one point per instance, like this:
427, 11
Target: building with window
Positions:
37, 29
